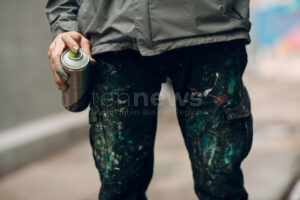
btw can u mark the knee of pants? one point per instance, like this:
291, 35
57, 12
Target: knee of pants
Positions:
125, 168
222, 152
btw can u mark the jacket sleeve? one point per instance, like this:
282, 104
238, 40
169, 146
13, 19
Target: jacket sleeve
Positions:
62, 15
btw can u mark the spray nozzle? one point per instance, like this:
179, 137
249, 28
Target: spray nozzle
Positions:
75, 55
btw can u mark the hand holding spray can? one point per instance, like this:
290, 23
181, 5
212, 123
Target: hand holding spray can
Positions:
76, 73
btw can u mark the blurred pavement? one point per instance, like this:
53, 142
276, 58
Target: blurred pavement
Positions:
269, 169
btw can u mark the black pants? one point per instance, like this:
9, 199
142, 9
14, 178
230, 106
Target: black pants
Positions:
213, 110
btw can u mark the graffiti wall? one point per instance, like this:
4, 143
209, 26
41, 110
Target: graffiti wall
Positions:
276, 37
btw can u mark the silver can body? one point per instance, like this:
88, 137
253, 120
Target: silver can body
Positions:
76, 97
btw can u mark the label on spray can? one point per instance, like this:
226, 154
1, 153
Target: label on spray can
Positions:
75, 71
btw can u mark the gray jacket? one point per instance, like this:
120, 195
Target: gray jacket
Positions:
150, 26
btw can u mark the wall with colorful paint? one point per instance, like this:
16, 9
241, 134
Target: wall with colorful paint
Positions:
276, 24
276, 37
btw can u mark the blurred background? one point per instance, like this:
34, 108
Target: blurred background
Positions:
45, 152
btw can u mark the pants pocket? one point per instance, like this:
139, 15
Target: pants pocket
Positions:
236, 139
238, 107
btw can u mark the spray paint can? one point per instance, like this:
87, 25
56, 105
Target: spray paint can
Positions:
75, 72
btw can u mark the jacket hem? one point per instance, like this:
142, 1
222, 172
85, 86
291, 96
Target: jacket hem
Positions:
111, 47
172, 44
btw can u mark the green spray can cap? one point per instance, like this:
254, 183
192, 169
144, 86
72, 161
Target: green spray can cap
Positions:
75, 55
75, 60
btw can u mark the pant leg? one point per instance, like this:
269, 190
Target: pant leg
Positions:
214, 115
123, 124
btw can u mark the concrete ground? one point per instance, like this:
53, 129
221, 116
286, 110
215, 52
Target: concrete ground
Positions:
269, 169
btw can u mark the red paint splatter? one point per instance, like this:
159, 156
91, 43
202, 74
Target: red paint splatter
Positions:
220, 100
131, 148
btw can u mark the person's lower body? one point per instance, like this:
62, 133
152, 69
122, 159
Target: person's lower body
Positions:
213, 110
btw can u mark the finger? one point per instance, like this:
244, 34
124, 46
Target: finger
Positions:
57, 80
62, 74
55, 54
56, 49
75, 35
70, 42
85, 45
58, 67
60, 46
60, 84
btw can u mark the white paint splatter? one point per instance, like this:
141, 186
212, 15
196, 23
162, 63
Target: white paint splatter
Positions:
206, 92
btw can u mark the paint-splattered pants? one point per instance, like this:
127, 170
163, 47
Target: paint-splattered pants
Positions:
213, 110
